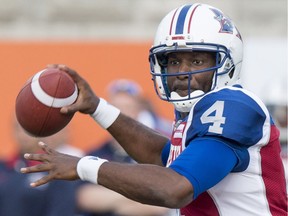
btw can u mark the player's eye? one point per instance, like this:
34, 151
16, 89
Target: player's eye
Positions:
173, 62
197, 62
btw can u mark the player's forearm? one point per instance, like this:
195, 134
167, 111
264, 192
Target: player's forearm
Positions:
142, 143
132, 208
148, 184
95, 198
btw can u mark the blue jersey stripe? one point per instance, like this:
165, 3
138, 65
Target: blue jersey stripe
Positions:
181, 19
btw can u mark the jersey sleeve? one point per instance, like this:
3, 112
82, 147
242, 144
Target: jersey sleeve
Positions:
205, 162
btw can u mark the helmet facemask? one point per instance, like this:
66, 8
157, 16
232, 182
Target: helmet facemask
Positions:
158, 64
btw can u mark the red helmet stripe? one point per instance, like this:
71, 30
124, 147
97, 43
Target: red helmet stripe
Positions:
170, 32
190, 19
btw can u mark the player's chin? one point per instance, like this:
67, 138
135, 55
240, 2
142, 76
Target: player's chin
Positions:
182, 93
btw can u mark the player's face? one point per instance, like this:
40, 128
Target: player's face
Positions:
187, 62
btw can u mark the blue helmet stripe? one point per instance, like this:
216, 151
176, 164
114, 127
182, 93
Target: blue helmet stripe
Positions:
181, 19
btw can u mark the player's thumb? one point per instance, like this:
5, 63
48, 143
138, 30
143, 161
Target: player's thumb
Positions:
71, 109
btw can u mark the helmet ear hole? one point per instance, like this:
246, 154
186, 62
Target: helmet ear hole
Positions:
162, 60
231, 73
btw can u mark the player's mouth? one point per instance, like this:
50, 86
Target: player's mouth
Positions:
181, 88
182, 93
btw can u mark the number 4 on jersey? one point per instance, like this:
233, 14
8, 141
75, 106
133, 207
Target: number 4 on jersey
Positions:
214, 115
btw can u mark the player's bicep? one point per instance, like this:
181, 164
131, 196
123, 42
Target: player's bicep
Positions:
204, 163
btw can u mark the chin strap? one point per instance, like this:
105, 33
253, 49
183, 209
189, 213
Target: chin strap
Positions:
185, 104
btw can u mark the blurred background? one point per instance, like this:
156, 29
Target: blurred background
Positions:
110, 39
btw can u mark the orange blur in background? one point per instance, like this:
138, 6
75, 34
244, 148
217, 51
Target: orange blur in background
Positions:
98, 62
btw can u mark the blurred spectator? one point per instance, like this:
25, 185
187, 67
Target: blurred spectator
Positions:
96, 200
137, 106
18, 198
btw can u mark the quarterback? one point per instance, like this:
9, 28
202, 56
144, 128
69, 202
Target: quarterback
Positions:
223, 157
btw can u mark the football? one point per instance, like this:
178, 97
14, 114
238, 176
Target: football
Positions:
39, 102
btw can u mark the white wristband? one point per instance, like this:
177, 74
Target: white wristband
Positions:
105, 114
88, 167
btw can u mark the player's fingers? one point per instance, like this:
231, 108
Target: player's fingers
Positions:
59, 66
69, 109
43, 167
52, 66
73, 74
46, 148
37, 157
42, 181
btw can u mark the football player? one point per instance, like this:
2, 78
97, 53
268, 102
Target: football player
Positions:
223, 157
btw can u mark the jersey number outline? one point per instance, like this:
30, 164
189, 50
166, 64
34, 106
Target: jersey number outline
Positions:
216, 119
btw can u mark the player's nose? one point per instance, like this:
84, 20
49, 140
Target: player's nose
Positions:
183, 69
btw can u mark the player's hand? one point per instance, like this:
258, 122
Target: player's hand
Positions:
59, 166
87, 101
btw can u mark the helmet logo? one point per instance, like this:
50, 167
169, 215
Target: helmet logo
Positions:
178, 37
226, 24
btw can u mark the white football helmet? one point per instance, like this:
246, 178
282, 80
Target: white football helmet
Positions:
196, 27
